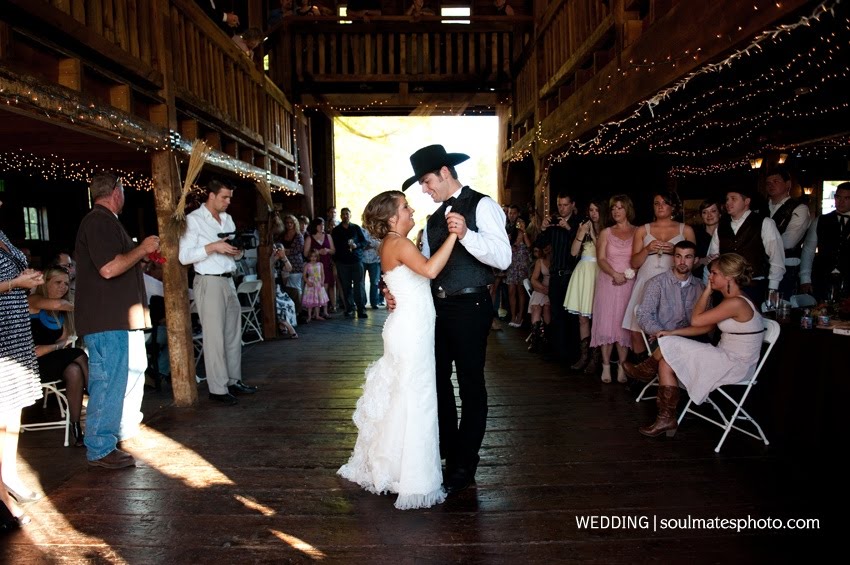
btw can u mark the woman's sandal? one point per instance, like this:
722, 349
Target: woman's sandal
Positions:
293, 335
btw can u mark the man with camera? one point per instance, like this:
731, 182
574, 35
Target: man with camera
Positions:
214, 260
559, 232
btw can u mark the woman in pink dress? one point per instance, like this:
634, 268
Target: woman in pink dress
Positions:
613, 288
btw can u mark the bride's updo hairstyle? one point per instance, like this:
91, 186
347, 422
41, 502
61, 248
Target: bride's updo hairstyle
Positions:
735, 266
378, 212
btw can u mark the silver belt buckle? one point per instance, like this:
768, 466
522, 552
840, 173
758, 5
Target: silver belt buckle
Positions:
441, 293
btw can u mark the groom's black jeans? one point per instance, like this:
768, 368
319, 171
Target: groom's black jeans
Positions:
463, 324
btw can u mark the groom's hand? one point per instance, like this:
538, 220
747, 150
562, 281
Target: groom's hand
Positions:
457, 224
389, 299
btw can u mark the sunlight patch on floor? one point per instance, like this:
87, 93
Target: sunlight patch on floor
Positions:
301, 545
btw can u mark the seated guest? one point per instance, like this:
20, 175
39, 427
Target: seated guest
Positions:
49, 312
669, 298
419, 8
702, 367
307, 8
248, 40
284, 305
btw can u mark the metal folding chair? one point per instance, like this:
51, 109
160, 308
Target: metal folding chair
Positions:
653, 382
249, 297
771, 334
57, 388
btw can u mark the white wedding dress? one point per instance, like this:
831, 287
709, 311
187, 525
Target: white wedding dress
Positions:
397, 447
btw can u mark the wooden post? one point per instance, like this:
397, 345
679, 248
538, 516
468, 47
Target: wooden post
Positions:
166, 193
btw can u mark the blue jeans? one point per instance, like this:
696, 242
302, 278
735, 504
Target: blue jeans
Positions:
117, 363
374, 270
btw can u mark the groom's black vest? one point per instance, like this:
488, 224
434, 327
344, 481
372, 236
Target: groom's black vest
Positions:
462, 270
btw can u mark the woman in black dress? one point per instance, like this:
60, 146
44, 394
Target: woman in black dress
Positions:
50, 310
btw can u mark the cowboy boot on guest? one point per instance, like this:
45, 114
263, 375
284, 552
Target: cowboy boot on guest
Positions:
644, 371
584, 356
594, 362
667, 399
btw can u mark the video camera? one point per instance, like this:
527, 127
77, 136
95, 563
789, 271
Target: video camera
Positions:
241, 240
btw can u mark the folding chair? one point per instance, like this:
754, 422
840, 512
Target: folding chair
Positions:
654, 381
527, 285
58, 388
249, 297
771, 334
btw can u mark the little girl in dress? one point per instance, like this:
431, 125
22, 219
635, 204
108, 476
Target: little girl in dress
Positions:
315, 296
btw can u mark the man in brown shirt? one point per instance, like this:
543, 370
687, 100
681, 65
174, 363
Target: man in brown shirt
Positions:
110, 312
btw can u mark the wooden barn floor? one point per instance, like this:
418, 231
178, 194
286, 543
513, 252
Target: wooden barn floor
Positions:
256, 483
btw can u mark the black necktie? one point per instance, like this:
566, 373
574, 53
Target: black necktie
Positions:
843, 219
451, 201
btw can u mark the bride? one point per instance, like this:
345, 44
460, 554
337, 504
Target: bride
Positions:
397, 447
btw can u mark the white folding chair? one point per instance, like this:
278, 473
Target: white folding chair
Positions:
249, 298
57, 388
654, 381
771, 334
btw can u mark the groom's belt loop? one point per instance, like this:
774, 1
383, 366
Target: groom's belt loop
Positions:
440, 293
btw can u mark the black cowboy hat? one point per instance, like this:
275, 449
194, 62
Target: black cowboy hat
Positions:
430, 159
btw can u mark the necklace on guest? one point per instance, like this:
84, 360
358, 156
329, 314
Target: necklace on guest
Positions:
395, 232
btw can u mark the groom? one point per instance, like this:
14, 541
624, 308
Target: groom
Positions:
462, 302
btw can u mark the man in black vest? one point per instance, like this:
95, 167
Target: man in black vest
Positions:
792, 220
830, 236
462, 301
753, 237
559, 232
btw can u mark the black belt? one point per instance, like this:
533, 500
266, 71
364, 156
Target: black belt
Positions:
440, 293
225, 275
562, 272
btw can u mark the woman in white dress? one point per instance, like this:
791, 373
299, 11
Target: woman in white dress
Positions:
397, 448
702, 367
656, 238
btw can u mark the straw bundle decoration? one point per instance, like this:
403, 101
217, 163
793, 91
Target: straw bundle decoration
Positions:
196, 162
265, 190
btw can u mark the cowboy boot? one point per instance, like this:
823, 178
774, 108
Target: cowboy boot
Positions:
667, 398
643, 372
536, 337
594, 362
584, 357
606, 373
78, 434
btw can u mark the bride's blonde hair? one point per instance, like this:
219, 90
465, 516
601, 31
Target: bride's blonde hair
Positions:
378, 212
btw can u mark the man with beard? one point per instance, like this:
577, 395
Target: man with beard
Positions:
667, 304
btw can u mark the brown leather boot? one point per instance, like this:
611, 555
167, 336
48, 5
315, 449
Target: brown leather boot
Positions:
644, 371
594, 362
584, 357
667, 398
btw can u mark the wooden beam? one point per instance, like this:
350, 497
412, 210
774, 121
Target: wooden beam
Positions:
4, 40
121, 97
189, 129
213, 139
70, 74
166, 193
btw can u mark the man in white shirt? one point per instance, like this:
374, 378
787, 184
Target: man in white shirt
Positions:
792, 220
825, 267
462, 301
753, 237
214, 261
